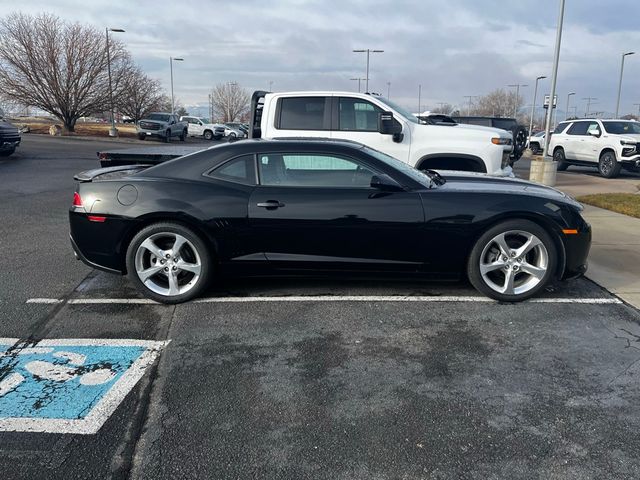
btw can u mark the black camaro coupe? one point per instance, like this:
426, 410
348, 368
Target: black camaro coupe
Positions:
291, 207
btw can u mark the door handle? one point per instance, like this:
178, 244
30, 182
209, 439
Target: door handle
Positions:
270, 204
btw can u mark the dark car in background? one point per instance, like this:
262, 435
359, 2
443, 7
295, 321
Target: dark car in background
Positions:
9, 138
321, 207
519, 132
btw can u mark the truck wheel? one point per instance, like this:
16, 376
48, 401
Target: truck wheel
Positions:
519, 140
141, 136
183, 137
208, 134
167, 136
232, 137
535, 148
6, 153
608, 166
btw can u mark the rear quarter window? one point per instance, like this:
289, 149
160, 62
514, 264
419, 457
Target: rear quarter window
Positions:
302, 113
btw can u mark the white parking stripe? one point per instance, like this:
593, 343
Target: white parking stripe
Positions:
328, 298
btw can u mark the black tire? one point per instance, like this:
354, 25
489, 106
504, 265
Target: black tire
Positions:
232, 137
525, 284
193, 250
141, 136
608, 166
6, 153
183, 137
208, 135
167, 136
519, 141
558, 156
535, 148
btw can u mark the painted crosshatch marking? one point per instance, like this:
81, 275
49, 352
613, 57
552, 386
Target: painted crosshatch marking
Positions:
68, 385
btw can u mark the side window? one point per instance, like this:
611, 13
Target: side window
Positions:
560, 128
312, 170
239, 170
358, 115
302, 113
578, 128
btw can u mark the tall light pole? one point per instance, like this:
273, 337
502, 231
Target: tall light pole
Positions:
359, 80
419, 99
554, 77
588, 99
171, 60
470, 97
388, 90
270, 85
113, 131
368, 51
620, 82
566, 115
637, 105
533, 107
515, 103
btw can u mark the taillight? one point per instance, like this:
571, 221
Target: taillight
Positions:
77, 201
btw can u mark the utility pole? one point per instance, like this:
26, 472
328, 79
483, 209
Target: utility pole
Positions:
515, 103
388, 90
470, 97
588, 110
419, 99
533, 106
638, 105
566, 115
554, 78
620, 82
171, 60
368, 51
358, 79
113, 131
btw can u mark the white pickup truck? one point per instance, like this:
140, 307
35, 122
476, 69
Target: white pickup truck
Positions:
201, 127
379, 123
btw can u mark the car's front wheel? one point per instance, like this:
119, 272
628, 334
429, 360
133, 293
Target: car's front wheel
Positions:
167, 136
208, 134
608, 166
512, 261
559, 157
183, 136
6, 153
169, 263
535, 148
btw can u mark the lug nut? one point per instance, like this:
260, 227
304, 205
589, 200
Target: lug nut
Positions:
166, 269
167, 256
174, 268
513, 254
161, 262
504, 259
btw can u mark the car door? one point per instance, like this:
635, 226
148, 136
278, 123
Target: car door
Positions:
590, 145
192, 125
318, 210
356, 119
574, 140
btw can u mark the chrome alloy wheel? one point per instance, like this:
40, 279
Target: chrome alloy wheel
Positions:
514, 262
168, 264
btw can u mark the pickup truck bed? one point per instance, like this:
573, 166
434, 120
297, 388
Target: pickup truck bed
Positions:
146, 155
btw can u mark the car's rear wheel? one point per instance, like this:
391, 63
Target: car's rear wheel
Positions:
208, 134
512, 261
559, 157
169, 263
608, 166
232, 137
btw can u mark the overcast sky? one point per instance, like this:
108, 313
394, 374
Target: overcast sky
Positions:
452, 48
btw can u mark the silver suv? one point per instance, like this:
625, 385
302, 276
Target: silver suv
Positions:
609, 145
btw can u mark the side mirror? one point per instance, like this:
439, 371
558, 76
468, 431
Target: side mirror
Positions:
385, 183
595, 133
387, 125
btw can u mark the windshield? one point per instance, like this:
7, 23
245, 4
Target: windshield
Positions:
162, 117
405, 113
204, 120
408, 170
622, 128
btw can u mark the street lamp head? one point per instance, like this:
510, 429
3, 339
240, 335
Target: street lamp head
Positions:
119, 30
572, 93
628, 53
377, 51
541, 77
178, 59
359, 51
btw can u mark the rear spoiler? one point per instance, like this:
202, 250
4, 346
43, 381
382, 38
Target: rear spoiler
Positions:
110, 172
257, 107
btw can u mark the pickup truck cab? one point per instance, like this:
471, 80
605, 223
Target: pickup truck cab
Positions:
9, 138
201, 127
162, 125
380, 124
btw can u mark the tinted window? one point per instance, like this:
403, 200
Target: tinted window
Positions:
578, 128
358, 115
302, 113
240, 170
504, 124
162, 117
560, 127
621, 128
311, 170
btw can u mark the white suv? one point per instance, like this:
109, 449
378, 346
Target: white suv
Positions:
609, 145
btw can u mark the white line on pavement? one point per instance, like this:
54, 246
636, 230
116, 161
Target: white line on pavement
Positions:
328, 298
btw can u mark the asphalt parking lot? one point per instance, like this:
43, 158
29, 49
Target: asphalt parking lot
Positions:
274, 378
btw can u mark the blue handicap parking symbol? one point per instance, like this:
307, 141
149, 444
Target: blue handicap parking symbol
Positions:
68, 386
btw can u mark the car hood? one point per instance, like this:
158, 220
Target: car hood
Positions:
630, 137
6, 127
481, 182
481, 132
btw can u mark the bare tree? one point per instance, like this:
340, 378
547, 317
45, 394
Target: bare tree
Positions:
140, 95
230, 100
498, 103
59, 67
445, 108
